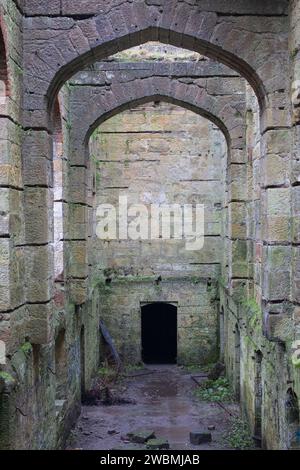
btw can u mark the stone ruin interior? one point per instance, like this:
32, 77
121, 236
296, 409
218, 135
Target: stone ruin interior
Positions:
161, 101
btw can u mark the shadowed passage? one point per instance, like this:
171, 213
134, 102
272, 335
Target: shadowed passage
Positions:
159, 333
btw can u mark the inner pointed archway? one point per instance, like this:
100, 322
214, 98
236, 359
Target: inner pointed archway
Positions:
158, 154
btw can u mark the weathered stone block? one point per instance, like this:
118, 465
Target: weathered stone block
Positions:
77, 259
42, 7
237, 182
239, 259
10, 164
275, 170
278, 327
276, 272
77, 222
238, 156
198, 438
277, 215
39, 273
5, 274
295, 274
17, 329
295, 214
37, 203
78, 290
78, 191
37, 156
237, 220
11, 214
17, 275
158, 444
140, 437
39, 325
276, 141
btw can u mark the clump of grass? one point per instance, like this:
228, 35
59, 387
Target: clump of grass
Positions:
239, 436
215, 390
107, 374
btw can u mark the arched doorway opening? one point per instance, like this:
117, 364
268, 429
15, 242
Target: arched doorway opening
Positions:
159, 333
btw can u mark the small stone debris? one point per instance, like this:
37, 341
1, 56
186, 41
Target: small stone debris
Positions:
111, 431
197, 438
140, 437
211, 427
157, 444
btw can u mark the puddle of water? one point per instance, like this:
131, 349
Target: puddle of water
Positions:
160, 388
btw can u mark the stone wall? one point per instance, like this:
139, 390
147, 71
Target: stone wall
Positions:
154, 154
197, 321
244, 344
12, 265
97, 95
12, 253
160, 153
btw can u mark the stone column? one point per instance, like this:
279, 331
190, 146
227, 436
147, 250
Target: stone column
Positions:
294, 47
12, 279
276, 210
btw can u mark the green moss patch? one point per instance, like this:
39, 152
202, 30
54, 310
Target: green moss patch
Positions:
239, 436
215, 390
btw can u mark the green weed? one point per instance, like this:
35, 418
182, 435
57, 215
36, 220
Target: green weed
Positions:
215, 390
239, 436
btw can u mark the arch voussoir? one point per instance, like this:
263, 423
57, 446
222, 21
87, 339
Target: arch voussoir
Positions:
224, 110
68, 44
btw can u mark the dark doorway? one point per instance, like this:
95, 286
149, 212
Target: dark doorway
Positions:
159, 333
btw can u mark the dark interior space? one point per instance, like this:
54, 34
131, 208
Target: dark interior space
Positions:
159, 333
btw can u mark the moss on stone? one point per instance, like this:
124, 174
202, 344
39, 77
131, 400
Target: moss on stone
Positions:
26, 348
294, 52
8, 378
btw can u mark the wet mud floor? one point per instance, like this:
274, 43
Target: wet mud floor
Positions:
164, 403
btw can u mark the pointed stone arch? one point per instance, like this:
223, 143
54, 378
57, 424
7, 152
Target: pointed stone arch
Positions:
236, 41
255, 45
93, 106
96, 106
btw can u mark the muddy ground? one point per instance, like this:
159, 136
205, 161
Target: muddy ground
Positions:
164, 403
